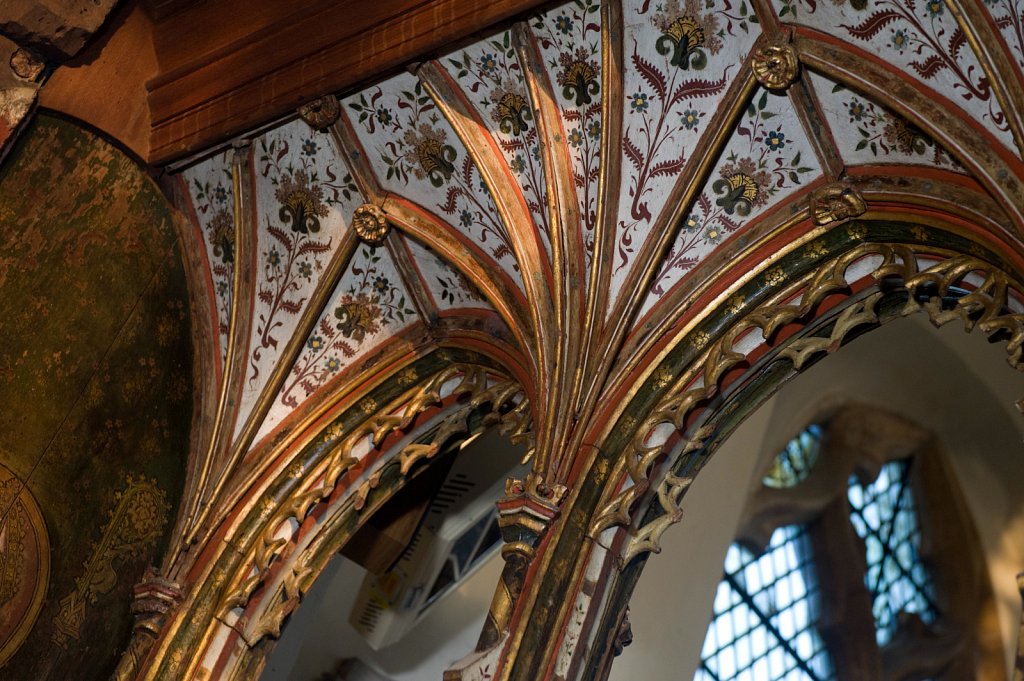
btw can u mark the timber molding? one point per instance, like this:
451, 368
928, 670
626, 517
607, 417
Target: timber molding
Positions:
228, 67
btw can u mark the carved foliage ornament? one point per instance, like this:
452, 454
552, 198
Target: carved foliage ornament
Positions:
776, 66
370, 223
508, 408
835, 202
985, 307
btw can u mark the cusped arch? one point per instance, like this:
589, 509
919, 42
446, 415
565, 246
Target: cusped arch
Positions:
806, 303
288, 525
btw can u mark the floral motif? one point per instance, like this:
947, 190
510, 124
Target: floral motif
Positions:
418, 146
920, 37
429, 155
370, 302
742, 186
671, 51
511, 108
506, 102
1009, 18
357, 316
569, 42
212, 199
302, 203
578, 76
687, 34
884, 133
291, 255
761, 160
455, 286
222, 236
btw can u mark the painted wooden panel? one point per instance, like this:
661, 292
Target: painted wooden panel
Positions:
414, 151
680, 57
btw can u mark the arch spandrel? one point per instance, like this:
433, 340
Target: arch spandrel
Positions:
592, 198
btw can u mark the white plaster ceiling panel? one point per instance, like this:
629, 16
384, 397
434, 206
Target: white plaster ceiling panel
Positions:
1008, 16
921, 38
415, 153
768, 157
569, 38
490, 76
866, 133
369, 305
448, 287
679, 59
211, 189
303, 195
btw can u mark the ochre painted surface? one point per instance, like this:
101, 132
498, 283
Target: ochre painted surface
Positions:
95, 383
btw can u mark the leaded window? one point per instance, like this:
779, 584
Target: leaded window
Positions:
828, 578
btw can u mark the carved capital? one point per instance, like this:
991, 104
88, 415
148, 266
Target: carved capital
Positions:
835, 202
370, 223
155, 597
321, 113
776, 66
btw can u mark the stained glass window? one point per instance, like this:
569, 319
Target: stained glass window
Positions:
884, 516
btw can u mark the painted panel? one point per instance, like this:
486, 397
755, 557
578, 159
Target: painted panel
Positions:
369, 305
96, 383
415, 152
489, 74
867, 133
922, 39
213, 200
767, 159
1008, 16
304, 197
680, 57
569, 38
449, 288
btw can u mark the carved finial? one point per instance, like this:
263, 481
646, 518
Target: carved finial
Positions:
776, 66
370, 223
836, 201
321, 113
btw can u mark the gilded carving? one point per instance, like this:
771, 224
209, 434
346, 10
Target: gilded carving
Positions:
370, 223
985, 307
321, 113
509, 409
835, 202
776, 66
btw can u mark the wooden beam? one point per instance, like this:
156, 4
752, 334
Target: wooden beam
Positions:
230, 66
